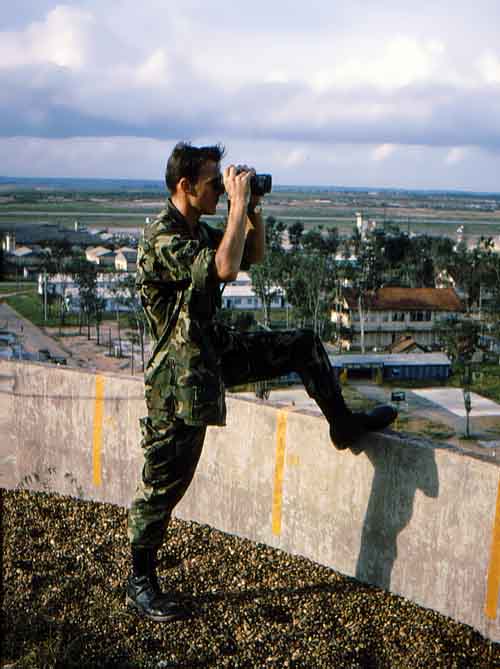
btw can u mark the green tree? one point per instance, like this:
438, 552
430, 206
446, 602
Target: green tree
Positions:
295, 232
396, 249
366, 275
126, 295
2, 262
419, 262
308, 275
459, 337
265, 276
442, 253
98, 307
85, 275
470, 268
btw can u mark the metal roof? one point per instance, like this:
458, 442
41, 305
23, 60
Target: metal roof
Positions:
389, 360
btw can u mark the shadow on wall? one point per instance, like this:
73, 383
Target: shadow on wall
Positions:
399, 473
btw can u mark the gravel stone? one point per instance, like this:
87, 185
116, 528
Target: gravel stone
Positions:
65, 562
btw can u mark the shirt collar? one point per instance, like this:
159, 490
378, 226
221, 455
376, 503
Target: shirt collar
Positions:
179, 223
175, 215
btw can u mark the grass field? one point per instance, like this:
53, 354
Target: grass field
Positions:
15, 286
30, 306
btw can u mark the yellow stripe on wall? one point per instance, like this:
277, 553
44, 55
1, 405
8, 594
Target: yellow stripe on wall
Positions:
493, 586
97, 437
279, 468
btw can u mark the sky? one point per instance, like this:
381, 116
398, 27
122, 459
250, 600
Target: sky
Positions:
365, 93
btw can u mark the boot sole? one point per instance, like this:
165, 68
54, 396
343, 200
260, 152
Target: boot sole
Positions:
157, 619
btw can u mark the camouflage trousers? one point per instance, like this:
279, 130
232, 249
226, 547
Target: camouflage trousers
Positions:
172, 448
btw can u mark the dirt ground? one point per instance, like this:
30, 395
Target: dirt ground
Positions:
254, 606
105, 356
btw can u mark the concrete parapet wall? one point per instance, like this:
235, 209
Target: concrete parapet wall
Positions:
420, 520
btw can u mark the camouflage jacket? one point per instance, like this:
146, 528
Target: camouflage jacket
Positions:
180, 294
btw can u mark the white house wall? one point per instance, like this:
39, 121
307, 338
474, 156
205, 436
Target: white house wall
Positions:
382, 331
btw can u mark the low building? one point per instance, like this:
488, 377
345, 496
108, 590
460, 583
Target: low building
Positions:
25, 260
406, 345
114, 296
240, 294
42, 233
406, 366
126, 260
390, 313
100, 255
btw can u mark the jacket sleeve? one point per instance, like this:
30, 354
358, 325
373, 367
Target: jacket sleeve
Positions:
184, 259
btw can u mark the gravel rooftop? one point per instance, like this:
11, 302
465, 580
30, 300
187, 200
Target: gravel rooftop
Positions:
63, 572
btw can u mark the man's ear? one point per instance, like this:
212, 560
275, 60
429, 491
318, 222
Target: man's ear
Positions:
185, 186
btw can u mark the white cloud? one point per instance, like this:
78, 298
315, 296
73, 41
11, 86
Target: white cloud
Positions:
294, 158
489, 66
383, 151
61, 39
155, 69
401, 61
304, 80
115, 157
455, 155
277, 77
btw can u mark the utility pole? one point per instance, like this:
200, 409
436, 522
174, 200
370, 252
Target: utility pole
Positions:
468, 407
45, 296
361, 322
481, 324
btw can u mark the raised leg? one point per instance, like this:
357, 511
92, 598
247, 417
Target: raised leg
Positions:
259, 356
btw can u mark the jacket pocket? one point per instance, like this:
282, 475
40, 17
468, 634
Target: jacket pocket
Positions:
201, 404
159, 387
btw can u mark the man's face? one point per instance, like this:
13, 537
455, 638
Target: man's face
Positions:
206, 191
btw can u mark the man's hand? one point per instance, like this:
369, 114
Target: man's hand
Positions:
244, 225
237, 184
254, 204
230, 251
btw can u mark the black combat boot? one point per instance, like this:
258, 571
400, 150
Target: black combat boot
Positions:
348, 427
144, 594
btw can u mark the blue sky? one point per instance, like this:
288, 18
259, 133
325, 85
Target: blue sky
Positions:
360, 93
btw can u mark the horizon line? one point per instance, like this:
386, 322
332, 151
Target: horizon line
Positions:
405, 189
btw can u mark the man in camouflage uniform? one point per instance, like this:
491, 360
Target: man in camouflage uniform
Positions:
181, 263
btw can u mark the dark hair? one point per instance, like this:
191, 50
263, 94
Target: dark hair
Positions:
187, 161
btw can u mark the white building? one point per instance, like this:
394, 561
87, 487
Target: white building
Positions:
363, 226
100, 255
240, 294
108, 289
126, 260
236, 295
391, 313
9, 242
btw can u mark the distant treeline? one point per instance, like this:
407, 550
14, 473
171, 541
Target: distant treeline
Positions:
20, 196
117, 187
62, 185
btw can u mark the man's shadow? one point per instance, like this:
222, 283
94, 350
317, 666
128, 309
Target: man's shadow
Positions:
399, 473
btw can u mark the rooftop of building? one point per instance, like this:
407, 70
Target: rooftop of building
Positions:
384, 359
402, 298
